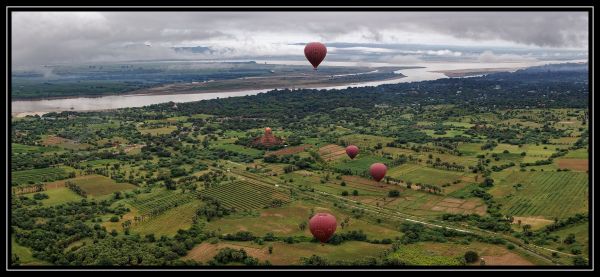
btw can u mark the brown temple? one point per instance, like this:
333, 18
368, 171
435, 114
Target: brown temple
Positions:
268, 139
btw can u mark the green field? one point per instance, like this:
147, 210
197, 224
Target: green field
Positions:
59, 196
38, 175
21, 148
169, 222
101, 163
97, 185
441, 254
577, 154
162, 201
245, 194
420, 174
448, 134
158, 131
541, 193
360, 164
240, 149
365, 141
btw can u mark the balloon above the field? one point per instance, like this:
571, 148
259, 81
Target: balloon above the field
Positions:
315, 52
378, 171
352, 151
322, 226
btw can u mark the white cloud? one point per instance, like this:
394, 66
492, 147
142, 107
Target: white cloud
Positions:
53, 37
490, 57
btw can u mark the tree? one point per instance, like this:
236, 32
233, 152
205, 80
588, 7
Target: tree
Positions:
355, 192
526, 229
270, 249
579, 261
393, 193
302, 225
314, 260
345, 193
570, 239
471, 256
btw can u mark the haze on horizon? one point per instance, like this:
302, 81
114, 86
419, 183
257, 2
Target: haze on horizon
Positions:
40, 38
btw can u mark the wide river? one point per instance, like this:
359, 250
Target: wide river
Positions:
30, 107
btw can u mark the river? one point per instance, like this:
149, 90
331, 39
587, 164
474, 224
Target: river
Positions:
30, 107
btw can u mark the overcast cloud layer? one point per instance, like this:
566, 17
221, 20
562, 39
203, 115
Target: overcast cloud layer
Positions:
62, 37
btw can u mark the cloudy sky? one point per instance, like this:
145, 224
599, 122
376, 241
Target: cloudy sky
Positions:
87, 37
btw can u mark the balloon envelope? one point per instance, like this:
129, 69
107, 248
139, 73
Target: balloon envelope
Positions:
378, 171
352, 151
315, 52
322, 226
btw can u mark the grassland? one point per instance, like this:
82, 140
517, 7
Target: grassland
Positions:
291, 254
97, 185
59, 196
359, 164
419, 174
440, 254
158, 131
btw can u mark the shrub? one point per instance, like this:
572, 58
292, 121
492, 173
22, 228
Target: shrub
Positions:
471, 256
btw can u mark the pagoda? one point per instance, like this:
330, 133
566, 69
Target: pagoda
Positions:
267, 140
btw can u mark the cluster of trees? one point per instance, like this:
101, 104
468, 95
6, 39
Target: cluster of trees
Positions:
75, 188
213, 208
356, 235
228, 255
296, 161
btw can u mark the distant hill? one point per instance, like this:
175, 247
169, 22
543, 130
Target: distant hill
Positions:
562, 67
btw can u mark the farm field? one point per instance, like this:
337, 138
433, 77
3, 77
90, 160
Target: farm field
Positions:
169, 222
245, 195
173, 184
365, 141
573, 164
291, 254
59, 196
98, 186
38, 175
21, 148
540, 192
426, 175
158, 131
359, 164
64, 143
240, 149
436, 254
332, 152
289, 150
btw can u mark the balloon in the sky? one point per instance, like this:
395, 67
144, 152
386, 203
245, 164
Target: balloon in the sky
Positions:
352, 151
315, 52
322, 226
378, 171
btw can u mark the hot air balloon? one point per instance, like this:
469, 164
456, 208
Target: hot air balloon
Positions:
352, 151
315, 52
378, 171
322, 226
